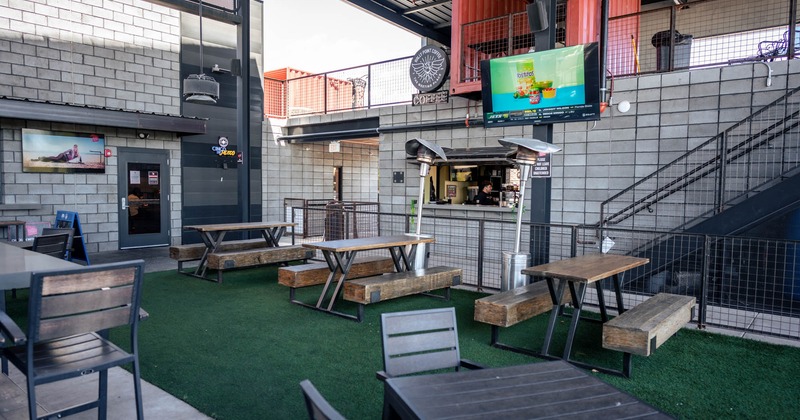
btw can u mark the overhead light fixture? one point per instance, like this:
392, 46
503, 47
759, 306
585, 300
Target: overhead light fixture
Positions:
199, 88
142, 134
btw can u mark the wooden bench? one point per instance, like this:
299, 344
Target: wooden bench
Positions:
647, 326
389, 286
305, 275
193, 252
222, 261
513, 306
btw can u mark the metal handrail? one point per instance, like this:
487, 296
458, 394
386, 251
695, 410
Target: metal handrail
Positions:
702, 170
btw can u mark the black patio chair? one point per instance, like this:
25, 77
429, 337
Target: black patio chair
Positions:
420, 341
52, 245
56, 231
318, 407
69, 313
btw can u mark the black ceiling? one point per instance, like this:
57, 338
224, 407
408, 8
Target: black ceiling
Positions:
426, 18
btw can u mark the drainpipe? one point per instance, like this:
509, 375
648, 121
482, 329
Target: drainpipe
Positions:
604, 47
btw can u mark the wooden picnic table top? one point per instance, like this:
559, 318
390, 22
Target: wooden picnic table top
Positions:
239, 226
376, 242
586, 268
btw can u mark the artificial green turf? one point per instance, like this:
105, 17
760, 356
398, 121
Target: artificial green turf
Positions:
239, 350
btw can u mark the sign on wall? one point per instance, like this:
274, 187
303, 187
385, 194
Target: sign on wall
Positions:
429, 68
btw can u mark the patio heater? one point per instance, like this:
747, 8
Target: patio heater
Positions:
425, 151
525, 155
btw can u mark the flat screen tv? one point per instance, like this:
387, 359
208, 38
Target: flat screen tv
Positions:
545, 87
62, 152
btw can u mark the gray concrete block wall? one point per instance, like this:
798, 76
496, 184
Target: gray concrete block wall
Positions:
671, 113
93, 196
118, 54
305, 170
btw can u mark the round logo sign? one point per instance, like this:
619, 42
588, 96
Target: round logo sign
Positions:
429, 68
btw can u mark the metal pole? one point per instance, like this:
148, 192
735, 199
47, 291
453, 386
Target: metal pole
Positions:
419, 201
524, 174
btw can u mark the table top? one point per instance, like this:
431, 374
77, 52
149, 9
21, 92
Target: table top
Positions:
376, 242
6, 223
239, 226
586, 268
18, 264
546, 389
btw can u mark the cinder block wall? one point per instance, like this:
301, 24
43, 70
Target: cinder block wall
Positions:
305, 170
115, 54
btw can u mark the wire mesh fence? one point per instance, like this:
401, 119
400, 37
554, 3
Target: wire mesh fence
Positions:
740, 283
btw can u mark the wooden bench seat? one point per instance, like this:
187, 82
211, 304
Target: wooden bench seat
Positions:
389, 286
516, 305
305, 275
193, 252
647, 325
221, 261
513, 306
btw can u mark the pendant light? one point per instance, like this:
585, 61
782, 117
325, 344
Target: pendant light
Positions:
199, 88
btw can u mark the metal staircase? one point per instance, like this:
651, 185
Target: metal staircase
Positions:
739, 178
754, 155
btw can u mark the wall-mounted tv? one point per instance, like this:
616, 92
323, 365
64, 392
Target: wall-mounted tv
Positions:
62, 152
545, 87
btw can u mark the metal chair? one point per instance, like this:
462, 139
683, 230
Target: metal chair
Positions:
56, 231
69, 315
52, 245
318, 407
420, 341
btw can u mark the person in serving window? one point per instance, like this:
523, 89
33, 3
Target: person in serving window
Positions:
69, 155
484, 197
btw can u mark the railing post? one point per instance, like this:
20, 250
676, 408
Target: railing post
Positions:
481, 239
369, 86
573, 246
293, 225
792, 28
510, 48
723, 161
705, 270
325, 93
672, 16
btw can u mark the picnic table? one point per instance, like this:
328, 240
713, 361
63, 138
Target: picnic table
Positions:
547, 389
18, 264
578, 273
340, 254
214, 234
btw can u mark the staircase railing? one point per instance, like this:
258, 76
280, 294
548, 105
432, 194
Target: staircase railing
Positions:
748, 157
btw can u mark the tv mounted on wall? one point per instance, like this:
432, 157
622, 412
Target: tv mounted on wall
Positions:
545, 87
62, 152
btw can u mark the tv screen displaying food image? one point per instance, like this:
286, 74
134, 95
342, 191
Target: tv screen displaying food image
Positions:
62, 152
544, 87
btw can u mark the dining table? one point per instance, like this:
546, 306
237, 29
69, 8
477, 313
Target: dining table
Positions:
578, 273
552, 389
17, 264
214, 234
340, 254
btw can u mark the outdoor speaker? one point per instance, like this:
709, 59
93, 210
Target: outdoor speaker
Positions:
537, 16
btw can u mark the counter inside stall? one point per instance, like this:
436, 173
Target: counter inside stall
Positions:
456, 185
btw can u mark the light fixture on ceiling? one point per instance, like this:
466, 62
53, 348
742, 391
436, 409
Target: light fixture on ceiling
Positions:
199, 88
142, 134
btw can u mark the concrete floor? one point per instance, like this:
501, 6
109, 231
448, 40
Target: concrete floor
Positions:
157, 403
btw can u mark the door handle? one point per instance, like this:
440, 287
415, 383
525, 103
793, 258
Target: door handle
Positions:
124, 203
